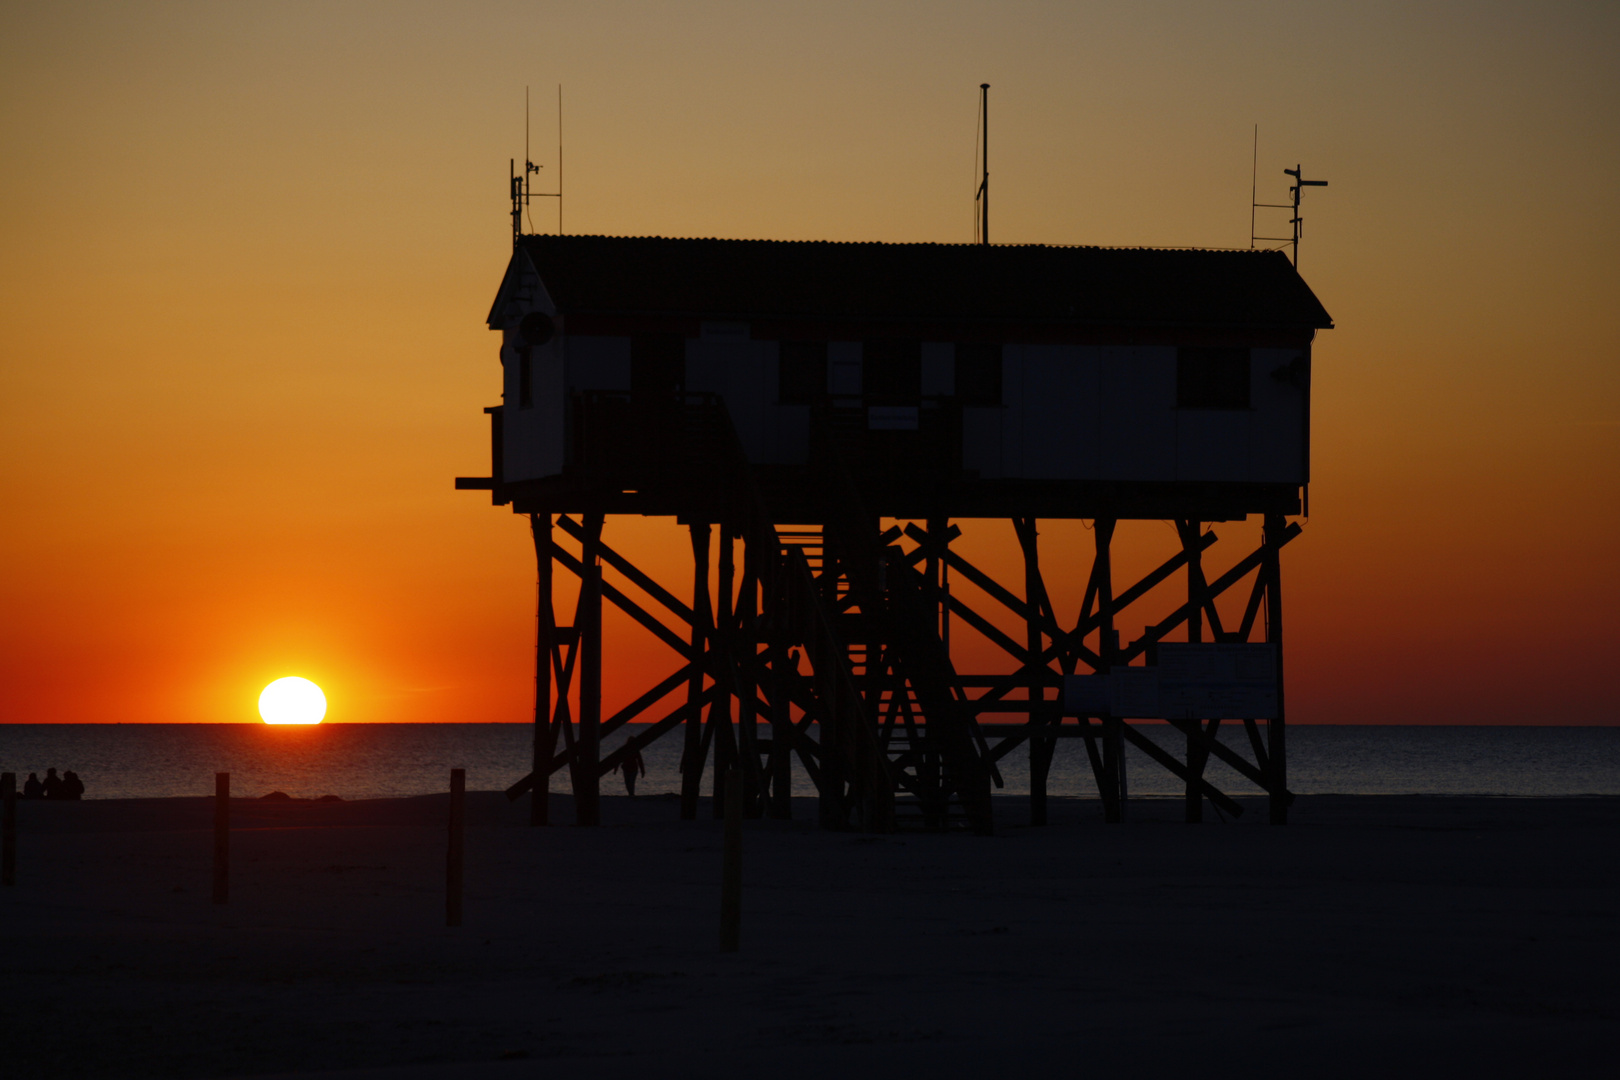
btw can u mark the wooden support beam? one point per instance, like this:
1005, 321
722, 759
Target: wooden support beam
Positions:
1038, 616
746, 647
1113, 758
587, 780
545, 735
631, 573
1276, 727
990, 630
721, 733
1197, 590
1153, 750
1154, 634
1195, 732
702, 621
625, 604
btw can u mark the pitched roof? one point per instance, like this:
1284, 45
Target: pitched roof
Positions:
755, 279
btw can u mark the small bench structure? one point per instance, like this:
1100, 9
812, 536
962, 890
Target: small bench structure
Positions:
782, 400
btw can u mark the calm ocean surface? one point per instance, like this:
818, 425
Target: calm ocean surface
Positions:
360, 761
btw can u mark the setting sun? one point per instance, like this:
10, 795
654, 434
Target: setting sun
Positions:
292, 700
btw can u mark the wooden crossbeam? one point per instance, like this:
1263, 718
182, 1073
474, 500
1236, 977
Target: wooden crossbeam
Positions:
1195, 732
1163, 757
566, 759
630, 608
1153, 634
629, 570
989, 630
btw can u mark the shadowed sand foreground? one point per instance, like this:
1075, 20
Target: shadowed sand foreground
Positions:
1375, 935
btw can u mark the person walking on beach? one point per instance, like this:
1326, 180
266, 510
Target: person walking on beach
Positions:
52, 786
633, 766
32, 788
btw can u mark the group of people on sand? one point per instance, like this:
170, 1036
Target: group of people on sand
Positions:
66, 786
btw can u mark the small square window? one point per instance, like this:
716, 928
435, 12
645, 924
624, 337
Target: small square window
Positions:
978, 372
801, 372
1212, 378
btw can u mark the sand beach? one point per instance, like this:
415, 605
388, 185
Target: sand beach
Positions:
1374, 935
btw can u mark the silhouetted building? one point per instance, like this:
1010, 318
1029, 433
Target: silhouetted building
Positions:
795, 394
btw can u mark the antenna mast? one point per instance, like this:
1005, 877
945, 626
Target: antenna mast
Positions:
982, 197
1296, 221
520, 187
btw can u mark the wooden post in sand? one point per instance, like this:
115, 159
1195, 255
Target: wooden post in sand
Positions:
731, 865
457, 847
222, 837
8, 828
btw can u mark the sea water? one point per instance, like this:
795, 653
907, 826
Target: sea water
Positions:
362, 761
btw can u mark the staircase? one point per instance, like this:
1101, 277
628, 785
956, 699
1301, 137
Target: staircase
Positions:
899, 743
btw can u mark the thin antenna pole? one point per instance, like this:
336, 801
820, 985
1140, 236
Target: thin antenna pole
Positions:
559, 160
1254, 184
984, 185
528, 161
974, 228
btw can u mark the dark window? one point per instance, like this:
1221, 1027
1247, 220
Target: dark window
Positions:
657, 365
978, 372
801, 372
891, 371
1211, 378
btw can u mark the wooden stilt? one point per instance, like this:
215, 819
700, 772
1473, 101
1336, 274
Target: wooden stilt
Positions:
588, 754
747, 646
1113, 749
545, 634
692, 752
1276, 728
8, 828
1040, 747
723, 737
455, 850
1196, 756
222, 837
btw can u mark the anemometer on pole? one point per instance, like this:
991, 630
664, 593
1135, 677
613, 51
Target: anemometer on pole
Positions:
520, 189
1295, 221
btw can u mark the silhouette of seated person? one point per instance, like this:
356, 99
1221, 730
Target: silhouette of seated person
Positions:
51, 787
32, 788
72, 786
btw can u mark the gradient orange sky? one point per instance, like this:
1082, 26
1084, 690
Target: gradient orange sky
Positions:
248, 249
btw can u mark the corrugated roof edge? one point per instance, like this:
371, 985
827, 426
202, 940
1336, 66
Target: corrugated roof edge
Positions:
895, 243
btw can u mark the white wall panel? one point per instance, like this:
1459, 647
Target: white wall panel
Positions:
1059, 403
1277, 434
1137, 413
532, 438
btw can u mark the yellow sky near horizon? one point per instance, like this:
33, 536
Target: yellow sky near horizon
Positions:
249, 249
